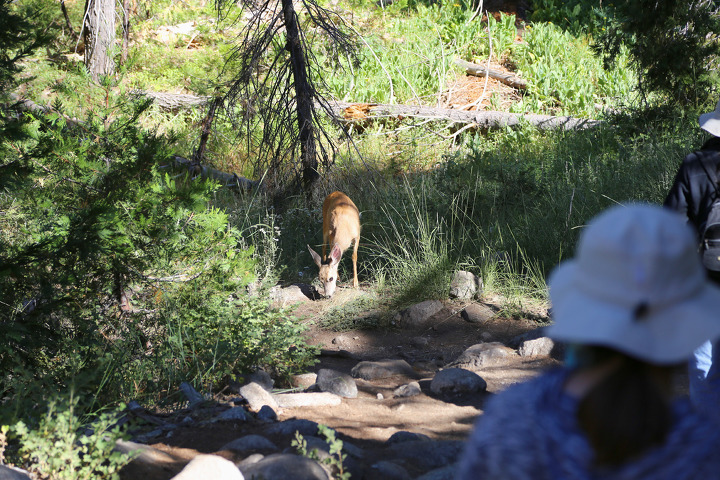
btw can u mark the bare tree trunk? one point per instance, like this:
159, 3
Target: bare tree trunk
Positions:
205, 133
126, 32
304, 96
67, 21
99, 36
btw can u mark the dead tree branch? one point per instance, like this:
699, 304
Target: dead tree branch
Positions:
480, 71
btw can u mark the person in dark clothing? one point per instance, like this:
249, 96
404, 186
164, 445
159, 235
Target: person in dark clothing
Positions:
695, 188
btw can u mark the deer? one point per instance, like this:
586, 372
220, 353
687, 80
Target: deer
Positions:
341, 228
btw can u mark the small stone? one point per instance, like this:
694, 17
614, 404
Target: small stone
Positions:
539, 346
267, 414
257, 396
410, 390
482, 355
303, 380
418, 314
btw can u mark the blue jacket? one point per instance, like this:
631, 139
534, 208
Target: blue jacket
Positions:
530, 432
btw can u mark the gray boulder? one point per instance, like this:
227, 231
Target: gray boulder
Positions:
418, 314
285, 465
477, 313
336, 382
12, 473
382, 369
267, 414
482, 355
403, 436
257, 396
409, 390
465, 285
538, 346
453, 382
209, 466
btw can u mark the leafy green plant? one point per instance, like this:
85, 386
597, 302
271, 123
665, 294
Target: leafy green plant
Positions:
205, 349
335, 456
114, 253
57, 448
564, 76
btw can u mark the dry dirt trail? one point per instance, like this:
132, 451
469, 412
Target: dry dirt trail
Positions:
369, 420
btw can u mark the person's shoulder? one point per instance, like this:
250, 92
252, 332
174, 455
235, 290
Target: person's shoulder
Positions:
699, 160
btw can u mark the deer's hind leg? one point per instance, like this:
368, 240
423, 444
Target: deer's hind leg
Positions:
354, 259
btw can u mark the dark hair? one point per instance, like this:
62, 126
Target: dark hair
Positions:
628, 411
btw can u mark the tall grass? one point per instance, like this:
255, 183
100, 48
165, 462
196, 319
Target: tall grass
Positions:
508, 204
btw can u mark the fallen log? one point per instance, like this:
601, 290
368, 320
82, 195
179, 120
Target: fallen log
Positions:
29, 106
225, 179
173, 101
354, 112
481, 118
480, 71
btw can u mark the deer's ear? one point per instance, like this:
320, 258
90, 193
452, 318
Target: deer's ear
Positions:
335, 254
315, 256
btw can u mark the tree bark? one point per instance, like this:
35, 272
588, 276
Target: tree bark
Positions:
304, 98
99, 37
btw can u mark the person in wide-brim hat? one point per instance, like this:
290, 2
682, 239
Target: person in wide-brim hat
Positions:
695, 189
632, 305
710, 122
635, 274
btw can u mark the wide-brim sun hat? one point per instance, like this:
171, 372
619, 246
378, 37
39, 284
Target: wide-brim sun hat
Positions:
710, 122
636, 285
